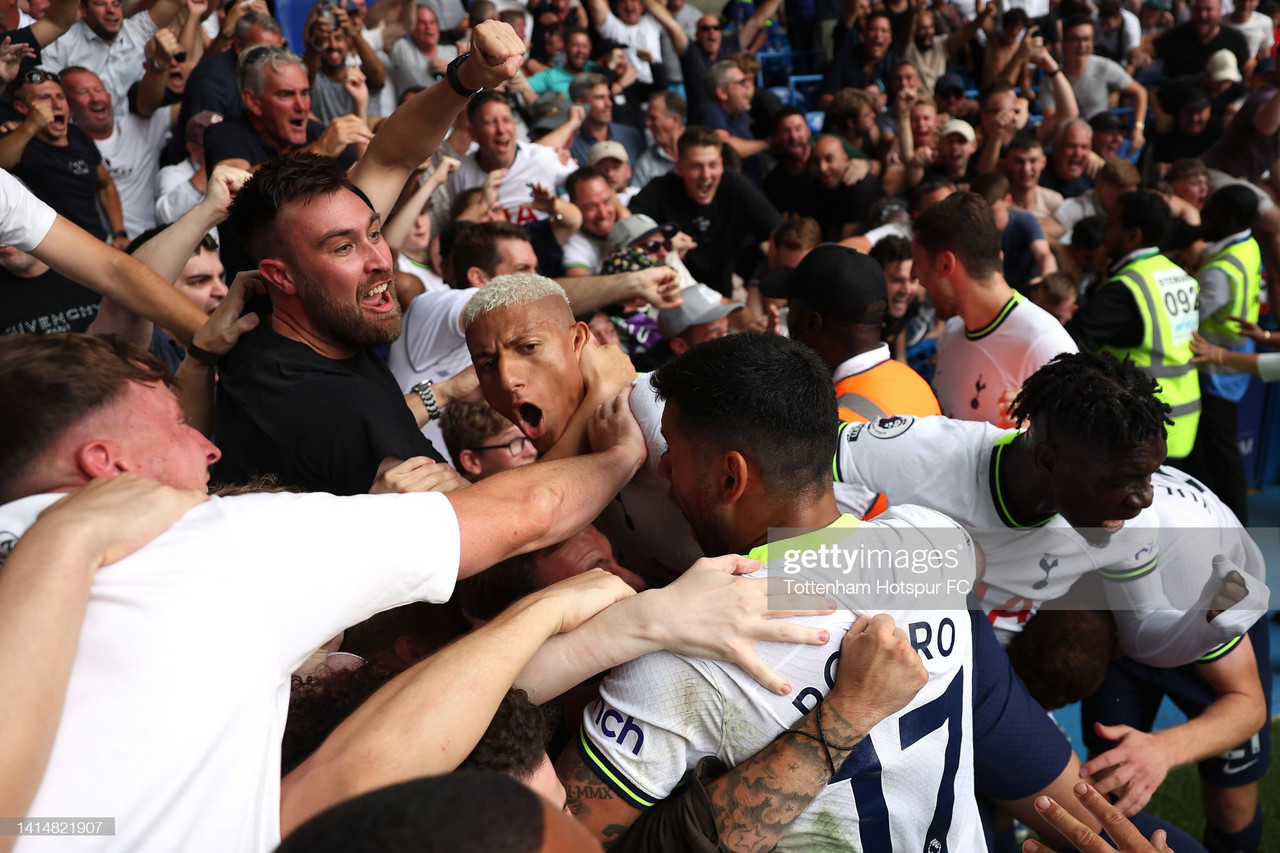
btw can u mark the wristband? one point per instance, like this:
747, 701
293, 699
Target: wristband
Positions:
203, 355
115, 234
423, 390
451, 74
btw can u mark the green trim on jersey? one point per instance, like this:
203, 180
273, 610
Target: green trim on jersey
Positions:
1130, 574
997, 493
761, 552
1220, 651
619, 783
1013, 302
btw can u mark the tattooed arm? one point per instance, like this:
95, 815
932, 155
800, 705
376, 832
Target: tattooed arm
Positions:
753, 805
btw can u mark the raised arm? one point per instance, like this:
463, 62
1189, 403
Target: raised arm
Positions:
109, 198
679, 39
598, 10
458, 688
399, 226
56, 21
757, 22
417, 128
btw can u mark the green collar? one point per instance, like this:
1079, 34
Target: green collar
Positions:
805, 541
999, 318
997, 492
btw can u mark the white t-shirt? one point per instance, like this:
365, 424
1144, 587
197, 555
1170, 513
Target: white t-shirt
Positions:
431, 346
177, 699
659, 715
584, 250
26, 219
976, 368
118, 65
949, 466
533, 163
177, 194
645, 34
432, 282
131, 155
1258, 31
1072, 210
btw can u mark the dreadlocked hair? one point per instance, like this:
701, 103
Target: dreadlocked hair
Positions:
1094, 397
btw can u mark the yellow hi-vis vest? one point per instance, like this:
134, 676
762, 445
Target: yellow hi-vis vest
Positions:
1166, 299
1242, 264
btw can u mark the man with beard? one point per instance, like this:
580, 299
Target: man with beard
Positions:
304, 396
332, 81
866, 61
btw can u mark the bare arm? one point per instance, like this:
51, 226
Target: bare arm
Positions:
965, 34
458, 688
679, 39
151, 88
1267, 120
109, 198
401, 223
418, 127
598, 10
538, 505
44, 592
756, 23
163, 12
657, 285
562, 137
15, 142
84, 259
56, 21
1139, 94
744, 147
1044, 256
1141, 760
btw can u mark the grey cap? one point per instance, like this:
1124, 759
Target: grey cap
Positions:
632, 228
701, 305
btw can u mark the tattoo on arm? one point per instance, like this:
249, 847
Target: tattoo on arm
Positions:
593, 802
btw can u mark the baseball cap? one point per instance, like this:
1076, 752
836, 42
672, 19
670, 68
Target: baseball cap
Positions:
701, 305
549, 112
631, 228
1194, 99
1223, 66
949, 81
960, 126
199, 123
605, 150
834, 281
1105, 121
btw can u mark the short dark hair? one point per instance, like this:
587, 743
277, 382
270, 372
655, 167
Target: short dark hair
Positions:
891, 250
1015, 18
791, 433
697, 137
1092, 397
797, 232
51, 383
1077, 21
515, 742
927, 186
1062, 655
486, 594
297, 177
993, 187
488, 96
877, 13
477, 246
575, 179
1024, 141
1235, 203
463, 810
1149, 213
962, 224
1088, 233
995, 87
787, 112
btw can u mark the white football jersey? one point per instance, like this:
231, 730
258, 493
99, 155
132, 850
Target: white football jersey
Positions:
953, 466
1195, 527
977, 368
907, 786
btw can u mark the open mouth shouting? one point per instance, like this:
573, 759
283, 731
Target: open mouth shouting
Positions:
379, 298
529, 419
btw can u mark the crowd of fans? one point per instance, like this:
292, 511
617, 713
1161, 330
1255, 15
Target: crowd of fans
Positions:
385, 294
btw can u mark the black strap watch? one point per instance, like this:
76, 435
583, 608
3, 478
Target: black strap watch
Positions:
451, 74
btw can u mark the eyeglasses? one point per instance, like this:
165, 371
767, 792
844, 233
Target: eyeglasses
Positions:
709, 28
39, 75
654, 246
515, 446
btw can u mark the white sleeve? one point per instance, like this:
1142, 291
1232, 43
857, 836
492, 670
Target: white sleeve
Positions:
1154, 632
899, 456
27, 219
432, 325
335, 561
1132, 27
1269, 366
648, 410
1069, 213
55, 55
655, 719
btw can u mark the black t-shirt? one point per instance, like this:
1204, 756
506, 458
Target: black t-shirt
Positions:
45, 305
847, 69
694, 65
66, 178
236, 139
211, 86
320, 424
791, 193
1185, 56
739, 211
550, 253
1168, 147
1069, 189
836, 207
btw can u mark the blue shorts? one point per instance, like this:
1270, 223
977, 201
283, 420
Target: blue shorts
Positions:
1018, 750
1132, 692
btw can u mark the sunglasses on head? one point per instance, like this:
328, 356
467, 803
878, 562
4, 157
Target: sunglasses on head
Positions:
39, 75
